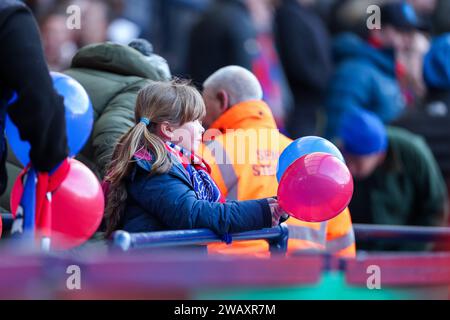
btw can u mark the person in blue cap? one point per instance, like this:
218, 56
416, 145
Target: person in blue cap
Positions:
368, 70
397, 180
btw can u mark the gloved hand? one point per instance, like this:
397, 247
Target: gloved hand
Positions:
278, 214
47, 183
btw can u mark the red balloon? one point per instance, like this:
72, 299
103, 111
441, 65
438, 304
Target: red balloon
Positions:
77, 207
315, 188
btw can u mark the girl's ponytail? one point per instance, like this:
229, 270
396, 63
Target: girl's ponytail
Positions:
135, 139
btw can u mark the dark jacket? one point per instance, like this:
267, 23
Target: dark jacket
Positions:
38, 113
432, 121
112, 75
304, 47
407, 189
169, 202
365, 78
224, 35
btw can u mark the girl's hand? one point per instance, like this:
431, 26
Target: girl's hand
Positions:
277, 212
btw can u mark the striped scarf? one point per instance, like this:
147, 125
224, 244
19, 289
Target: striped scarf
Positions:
198, 170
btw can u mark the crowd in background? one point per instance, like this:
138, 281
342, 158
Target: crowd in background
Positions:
290, 47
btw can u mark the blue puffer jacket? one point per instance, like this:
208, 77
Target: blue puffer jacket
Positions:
365, 78
169, 202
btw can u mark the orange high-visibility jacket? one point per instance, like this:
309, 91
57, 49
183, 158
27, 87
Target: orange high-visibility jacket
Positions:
242, 147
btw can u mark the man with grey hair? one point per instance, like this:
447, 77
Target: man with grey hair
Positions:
243, 143
242, 146
227, 87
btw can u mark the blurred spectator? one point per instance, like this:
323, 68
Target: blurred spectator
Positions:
305, 52
112, 75
410, 63
323, 8
238, 32
412, 56
140, 12
397, 180
100, 21
432, 120
57, 40
171, 29
121, 29
267, 67
368, 72
95, 18
350, 16
40, 7
424, 8
224, 35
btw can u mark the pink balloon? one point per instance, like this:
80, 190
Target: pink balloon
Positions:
315, 188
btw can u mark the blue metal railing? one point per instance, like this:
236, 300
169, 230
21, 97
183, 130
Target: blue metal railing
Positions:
365, 232
277, 238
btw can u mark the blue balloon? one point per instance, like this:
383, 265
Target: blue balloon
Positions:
302, 147
79, 118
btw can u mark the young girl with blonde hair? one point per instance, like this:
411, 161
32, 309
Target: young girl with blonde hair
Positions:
155, 180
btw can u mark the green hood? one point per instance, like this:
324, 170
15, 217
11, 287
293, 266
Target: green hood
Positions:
118, 59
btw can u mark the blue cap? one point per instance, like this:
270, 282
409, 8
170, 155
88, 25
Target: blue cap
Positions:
363, 133
402, 16
436, 67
